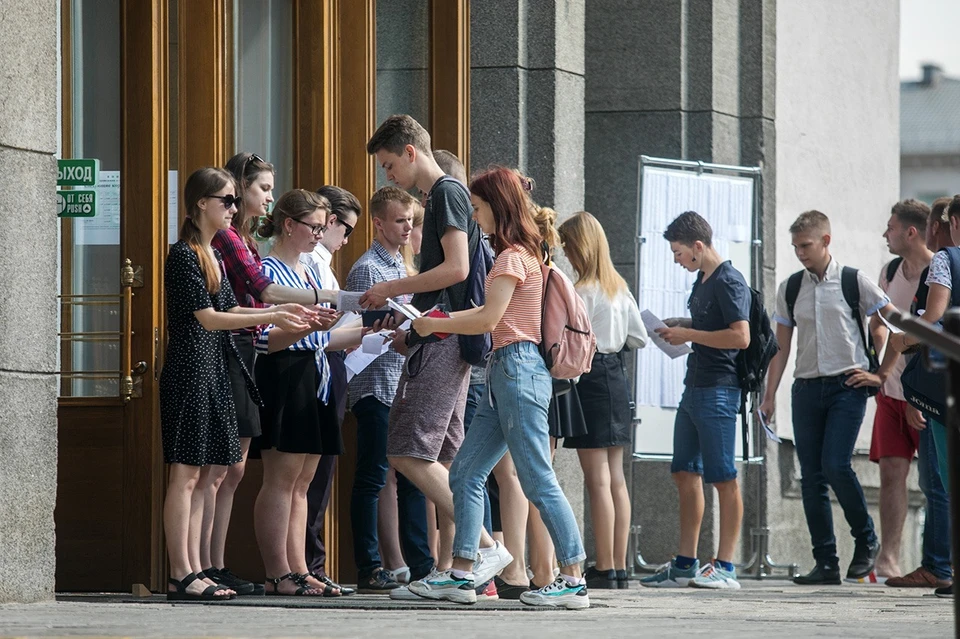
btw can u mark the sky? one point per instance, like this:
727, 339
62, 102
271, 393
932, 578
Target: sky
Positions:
928, 33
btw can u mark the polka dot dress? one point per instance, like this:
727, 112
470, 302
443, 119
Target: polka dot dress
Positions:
197, 415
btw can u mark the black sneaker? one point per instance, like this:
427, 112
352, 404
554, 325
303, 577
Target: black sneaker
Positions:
944, 593
241, 586
864, 557
379, 583
623, 580
821, 575
601, 579
506, 591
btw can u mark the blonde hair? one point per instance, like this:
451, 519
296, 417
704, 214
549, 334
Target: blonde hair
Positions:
382, 198
586, 246
546, 221
407, 251
810, 221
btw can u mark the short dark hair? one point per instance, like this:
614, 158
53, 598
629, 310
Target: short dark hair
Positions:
385, 195
689, 227
810, 221
396, 133
341, 200
912, 213
953, 209
450, 164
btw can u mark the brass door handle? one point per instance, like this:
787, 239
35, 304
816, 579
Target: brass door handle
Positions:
140, 368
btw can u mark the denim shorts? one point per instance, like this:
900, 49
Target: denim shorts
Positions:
705, 433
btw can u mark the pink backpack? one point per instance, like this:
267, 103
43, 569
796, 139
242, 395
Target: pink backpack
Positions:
568, 342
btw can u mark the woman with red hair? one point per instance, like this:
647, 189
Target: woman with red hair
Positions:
513, 413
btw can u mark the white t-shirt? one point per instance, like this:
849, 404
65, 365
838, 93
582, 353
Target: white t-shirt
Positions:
901, 292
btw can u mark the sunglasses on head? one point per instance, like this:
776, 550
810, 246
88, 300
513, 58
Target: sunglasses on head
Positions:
253, 158
228, 200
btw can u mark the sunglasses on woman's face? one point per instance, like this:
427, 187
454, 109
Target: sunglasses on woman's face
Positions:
229, 200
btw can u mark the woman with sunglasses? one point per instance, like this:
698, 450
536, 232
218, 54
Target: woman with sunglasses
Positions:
197, 414
253, 289
299, 423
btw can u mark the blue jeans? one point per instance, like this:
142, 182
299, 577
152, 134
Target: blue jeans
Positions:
939, 432
705, 433
371, 476
513, 416
827, 415
474, 396
936, 527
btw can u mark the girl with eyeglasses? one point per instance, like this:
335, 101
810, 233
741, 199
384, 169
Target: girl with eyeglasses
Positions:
197, 414
253, 289
299, 422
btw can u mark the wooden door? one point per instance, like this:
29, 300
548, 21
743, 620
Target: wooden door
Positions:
110, 469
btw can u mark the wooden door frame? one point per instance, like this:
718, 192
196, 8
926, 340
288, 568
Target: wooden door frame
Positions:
143, 200
450, 77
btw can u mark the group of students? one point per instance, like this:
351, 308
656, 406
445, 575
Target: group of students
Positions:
255, 367
836, 372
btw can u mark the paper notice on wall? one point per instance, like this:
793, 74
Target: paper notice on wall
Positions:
104, 228
173, 208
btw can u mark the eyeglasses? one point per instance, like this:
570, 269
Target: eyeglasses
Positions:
346, 226
229, 200
317, 230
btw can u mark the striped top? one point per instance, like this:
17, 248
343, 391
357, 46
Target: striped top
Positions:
280, 273
521, 320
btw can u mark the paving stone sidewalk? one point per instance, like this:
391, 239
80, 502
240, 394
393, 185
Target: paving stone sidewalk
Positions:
761, 609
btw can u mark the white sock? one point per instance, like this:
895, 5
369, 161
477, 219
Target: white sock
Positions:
489, 549
573, 581
461, 574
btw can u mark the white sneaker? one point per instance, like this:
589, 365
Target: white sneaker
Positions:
401, 575
445, 586
491, 562
403, 593
558, 594
715, 578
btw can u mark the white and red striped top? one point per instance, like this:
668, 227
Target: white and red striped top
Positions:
521, 320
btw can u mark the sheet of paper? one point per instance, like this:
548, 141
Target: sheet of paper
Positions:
767, 430
375, 344
891, 327
357, 361
349, 302
652, 323
407, 310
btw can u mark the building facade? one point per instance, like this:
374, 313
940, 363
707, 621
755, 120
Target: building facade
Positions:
570, 91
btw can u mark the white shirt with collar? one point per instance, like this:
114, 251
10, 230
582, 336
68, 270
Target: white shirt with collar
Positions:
616, 322
828, 338
320, 259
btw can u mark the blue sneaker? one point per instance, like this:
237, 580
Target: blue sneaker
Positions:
669, 576
716, 578
444, 586
558, 594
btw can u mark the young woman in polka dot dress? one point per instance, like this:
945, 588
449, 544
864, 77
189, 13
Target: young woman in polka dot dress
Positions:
197, 415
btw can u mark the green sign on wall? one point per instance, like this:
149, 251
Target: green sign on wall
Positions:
77, 172
76, 203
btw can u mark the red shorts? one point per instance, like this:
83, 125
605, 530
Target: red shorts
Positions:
892, 435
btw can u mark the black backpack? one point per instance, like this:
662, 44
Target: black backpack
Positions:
851, 294
754, 360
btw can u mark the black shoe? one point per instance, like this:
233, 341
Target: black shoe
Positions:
945, 593
226, 578
864, 557
601, 579
820, 575
379, 583
623, 581
330, 583
506, 591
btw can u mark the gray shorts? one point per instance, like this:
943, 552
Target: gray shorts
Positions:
426, 419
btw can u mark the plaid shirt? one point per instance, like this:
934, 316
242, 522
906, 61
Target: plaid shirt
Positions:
244, 270
381, 378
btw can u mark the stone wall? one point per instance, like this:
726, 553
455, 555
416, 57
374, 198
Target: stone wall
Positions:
29, 314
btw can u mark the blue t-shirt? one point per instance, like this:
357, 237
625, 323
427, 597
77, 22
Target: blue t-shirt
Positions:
715, 304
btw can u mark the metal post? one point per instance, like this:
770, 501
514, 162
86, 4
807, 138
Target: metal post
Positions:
951, 323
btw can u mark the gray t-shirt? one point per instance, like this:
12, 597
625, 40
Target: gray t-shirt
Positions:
448, 205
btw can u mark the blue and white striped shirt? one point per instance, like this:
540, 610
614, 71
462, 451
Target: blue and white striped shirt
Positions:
280, 273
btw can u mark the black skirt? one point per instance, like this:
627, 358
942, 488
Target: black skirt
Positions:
293, 420
248, 412
605, 396
566, 417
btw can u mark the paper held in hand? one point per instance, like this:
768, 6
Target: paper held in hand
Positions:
652, 323
407, 310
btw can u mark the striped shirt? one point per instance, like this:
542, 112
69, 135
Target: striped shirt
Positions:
521, 320
381, 377
280, 273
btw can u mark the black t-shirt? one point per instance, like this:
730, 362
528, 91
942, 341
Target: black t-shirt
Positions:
715, 304
448, 205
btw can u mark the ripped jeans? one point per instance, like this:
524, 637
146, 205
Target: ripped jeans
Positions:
512, 416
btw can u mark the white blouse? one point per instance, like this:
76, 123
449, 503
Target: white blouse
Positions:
616, 322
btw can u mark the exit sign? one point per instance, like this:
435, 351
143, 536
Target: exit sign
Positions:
77, 172
76, 203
